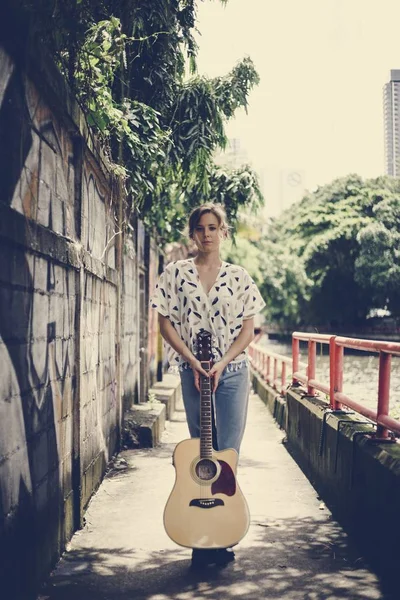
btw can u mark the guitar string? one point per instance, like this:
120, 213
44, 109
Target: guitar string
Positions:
202, 433
205, 427
205, 439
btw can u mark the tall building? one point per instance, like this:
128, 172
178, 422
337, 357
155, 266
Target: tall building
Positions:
391, 106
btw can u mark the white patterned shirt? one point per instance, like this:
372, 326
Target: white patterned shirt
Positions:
180, 296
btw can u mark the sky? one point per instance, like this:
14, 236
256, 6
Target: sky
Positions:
317, 113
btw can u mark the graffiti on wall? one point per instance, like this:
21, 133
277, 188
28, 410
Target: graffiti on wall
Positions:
37, 303
98, 386
47, 309
97, 216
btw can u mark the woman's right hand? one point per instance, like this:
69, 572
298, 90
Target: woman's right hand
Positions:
197, 371
172, 338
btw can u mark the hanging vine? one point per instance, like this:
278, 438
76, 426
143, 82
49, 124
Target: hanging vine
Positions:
125, 61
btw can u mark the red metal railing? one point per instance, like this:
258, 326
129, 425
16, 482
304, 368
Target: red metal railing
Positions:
272, 367
261, 361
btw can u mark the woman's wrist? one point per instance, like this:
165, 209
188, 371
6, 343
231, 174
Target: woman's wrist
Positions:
188, 356
225, 361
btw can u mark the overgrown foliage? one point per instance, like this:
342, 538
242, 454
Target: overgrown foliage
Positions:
132, 66
332, 259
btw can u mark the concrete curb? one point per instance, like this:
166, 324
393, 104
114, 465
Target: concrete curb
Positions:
357, 477
275, 402
144, 424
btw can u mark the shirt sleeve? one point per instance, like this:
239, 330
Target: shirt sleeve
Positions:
159, 299
253, 301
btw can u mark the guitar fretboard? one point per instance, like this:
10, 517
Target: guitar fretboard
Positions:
206, 447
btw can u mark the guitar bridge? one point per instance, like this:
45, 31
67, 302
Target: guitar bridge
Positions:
206, 502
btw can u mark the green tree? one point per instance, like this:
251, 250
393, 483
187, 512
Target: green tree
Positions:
337, 241
126, 61
378, 262
285, 286
246, 254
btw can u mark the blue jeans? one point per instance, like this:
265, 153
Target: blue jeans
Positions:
230, 403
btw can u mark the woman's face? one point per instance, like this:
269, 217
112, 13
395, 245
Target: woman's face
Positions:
207, 234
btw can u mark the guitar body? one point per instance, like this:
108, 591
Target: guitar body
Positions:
206, 508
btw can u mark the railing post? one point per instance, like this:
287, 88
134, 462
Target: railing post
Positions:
295, 357
283, 380
332, 365
383, 391
312, 355
338, 374
268, 370
275, 373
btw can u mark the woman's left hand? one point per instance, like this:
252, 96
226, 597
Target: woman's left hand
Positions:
215, 373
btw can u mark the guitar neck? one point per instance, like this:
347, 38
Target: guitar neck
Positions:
206, 447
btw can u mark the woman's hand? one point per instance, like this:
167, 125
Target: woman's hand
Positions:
197, 371
215, 373
172, 338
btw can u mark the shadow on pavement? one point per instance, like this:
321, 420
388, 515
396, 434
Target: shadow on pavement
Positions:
290, 559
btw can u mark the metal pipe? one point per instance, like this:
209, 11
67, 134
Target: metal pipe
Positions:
312, 356
338, 375
299, 377
295, 357
317, 385
390, 423
283, 379
262, 363
363, 410
368, 345
332, 370
315, 337
385, 361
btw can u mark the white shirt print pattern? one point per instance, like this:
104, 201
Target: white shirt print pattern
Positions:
180, 296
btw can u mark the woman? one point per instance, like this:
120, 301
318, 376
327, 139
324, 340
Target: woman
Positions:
208, 293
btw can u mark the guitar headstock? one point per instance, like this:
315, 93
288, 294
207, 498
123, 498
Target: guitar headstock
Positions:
204, 349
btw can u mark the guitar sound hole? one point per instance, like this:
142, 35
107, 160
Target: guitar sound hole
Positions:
206, 469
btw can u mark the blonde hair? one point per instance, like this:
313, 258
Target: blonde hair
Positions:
217, 210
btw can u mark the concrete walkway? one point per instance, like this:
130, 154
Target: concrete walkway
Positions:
293, 551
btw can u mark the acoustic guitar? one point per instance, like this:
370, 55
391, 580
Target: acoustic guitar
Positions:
206, 508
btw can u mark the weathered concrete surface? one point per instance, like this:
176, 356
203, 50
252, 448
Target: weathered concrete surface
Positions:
144, 425
78, 345
359, 479
293, 551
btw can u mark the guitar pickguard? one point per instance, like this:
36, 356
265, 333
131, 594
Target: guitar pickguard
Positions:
226, 482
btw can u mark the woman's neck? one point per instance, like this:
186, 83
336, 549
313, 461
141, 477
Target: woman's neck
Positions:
208, 259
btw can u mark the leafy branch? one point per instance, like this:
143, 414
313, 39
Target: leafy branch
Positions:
126, 63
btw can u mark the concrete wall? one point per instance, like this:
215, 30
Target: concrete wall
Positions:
152, 334
69, 314
130, 324
358, 479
